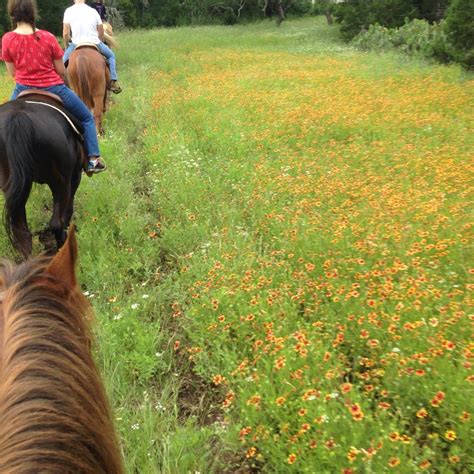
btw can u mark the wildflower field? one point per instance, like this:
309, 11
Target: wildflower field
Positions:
279, 254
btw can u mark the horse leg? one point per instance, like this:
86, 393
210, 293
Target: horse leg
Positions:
61, 193
20, 232
76, 179
99, 113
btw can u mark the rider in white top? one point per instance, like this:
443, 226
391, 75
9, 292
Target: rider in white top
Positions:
82, 24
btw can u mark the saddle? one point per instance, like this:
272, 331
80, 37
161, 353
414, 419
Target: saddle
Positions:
40, 92
48, 99
87, 45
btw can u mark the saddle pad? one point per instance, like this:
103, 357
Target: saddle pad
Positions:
87, 45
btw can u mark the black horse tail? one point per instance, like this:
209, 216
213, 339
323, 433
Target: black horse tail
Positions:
19, 139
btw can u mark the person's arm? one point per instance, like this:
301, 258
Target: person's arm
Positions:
10, 68
66, 34
100, 30
60, 69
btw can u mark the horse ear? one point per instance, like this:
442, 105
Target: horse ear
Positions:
63, 265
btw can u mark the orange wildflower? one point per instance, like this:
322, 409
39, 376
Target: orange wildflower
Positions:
425, 464
244, 432
435, 402
346, 387
218, 379
228, 399
280, 400
254, 400
450, 435
352, 454
280, 363
422, 413
251, 452
394, 436
393, 462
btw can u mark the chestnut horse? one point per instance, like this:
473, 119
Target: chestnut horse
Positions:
38, 144
54, 412
89, 77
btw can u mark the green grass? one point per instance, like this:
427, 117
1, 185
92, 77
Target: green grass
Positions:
257, 176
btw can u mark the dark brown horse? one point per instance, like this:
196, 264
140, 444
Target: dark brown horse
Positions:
38, 144
89, 77
54, 414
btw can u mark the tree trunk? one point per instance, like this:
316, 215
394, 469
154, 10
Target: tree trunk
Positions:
328, 16
279, 12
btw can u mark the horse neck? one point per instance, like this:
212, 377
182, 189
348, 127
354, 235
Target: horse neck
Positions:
53, 409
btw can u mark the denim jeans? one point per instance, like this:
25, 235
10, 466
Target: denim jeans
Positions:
74, 105
104, 50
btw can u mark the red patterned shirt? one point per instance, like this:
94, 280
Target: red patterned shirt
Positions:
33, 56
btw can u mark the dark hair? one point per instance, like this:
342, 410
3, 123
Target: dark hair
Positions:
22, 10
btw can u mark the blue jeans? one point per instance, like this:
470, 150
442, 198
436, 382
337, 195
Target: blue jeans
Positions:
104, 50
74, 105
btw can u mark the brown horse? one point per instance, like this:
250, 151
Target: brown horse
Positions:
89, 77
54, 415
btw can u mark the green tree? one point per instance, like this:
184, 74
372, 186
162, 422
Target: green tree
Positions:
460, 30
356, 15
431, 10
50, 14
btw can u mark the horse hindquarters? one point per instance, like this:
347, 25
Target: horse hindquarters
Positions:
87, 72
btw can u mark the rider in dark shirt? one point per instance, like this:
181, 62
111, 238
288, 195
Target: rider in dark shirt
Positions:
100, 7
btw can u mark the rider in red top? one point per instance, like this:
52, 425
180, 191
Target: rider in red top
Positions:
33, 64
34, 58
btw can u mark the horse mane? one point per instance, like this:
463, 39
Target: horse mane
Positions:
54, 415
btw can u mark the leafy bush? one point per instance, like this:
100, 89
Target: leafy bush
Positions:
417, 37
377, 37
357, 15
460, 31
320, 7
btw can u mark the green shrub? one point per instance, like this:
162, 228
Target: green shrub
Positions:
416, 37
377, 37
460, 31
357, 15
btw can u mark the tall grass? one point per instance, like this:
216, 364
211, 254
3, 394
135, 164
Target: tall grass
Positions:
278, 254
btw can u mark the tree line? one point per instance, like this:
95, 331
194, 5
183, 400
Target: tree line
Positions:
354, 16
447, 33
158, 13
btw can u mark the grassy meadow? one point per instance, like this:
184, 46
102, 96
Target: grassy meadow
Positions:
278, 254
